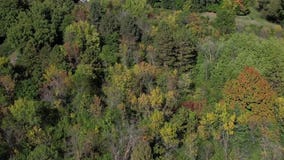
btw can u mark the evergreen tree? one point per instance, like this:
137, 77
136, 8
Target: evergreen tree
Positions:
175, 49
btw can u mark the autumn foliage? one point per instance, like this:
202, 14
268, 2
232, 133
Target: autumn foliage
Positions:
141, 79
193, 106
252, 95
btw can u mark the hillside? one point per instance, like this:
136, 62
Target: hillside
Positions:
141, 80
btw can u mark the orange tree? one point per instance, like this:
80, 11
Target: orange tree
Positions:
252, 95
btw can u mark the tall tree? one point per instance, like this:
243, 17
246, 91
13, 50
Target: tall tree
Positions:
175, 48
9, 13
40, 25
136, 7
82, 44
252, 95
225, 20
271, 10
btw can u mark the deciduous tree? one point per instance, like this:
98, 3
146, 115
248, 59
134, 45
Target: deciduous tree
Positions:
252, 95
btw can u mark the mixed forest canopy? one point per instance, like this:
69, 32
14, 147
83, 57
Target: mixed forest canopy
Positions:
141, 79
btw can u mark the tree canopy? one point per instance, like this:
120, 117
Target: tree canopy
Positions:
141, 80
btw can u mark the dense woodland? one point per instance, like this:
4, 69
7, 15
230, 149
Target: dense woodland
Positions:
142, 80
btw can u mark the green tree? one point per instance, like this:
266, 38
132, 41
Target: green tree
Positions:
225, 21
82, 44
203, 5
43, 152
175, 4
25, 111
129, 29
9, 14
136, 7
83, 79
109, 24
7, 84
141, 151
130, 36
175, 48
23, 125
40, 25
97, 11
271, 10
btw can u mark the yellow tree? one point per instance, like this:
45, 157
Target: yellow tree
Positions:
219, 125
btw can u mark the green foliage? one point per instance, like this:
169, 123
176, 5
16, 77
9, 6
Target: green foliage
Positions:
241, 50
271, 10
40, 25
7, 84
142, 151
109, 52
82, 43
175, 48
108, 55
129, 29
109, 24
198, 5
83, 34
176, 4
190, 147
225, 21
42, 152
21, 33
130, 33
141, 80
136, 7
83, 77
9, 13
96, 12
25, 111
27, 88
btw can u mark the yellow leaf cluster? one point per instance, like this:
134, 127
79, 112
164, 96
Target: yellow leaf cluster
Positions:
170, 97
229, 125
205, 125
168, 133
36, 135
156, 120
171, 19
50, 72
217, 122
145, 68
3, 61
145, 102
156, 98
202, 131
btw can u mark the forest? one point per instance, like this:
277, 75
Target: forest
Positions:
141, 80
